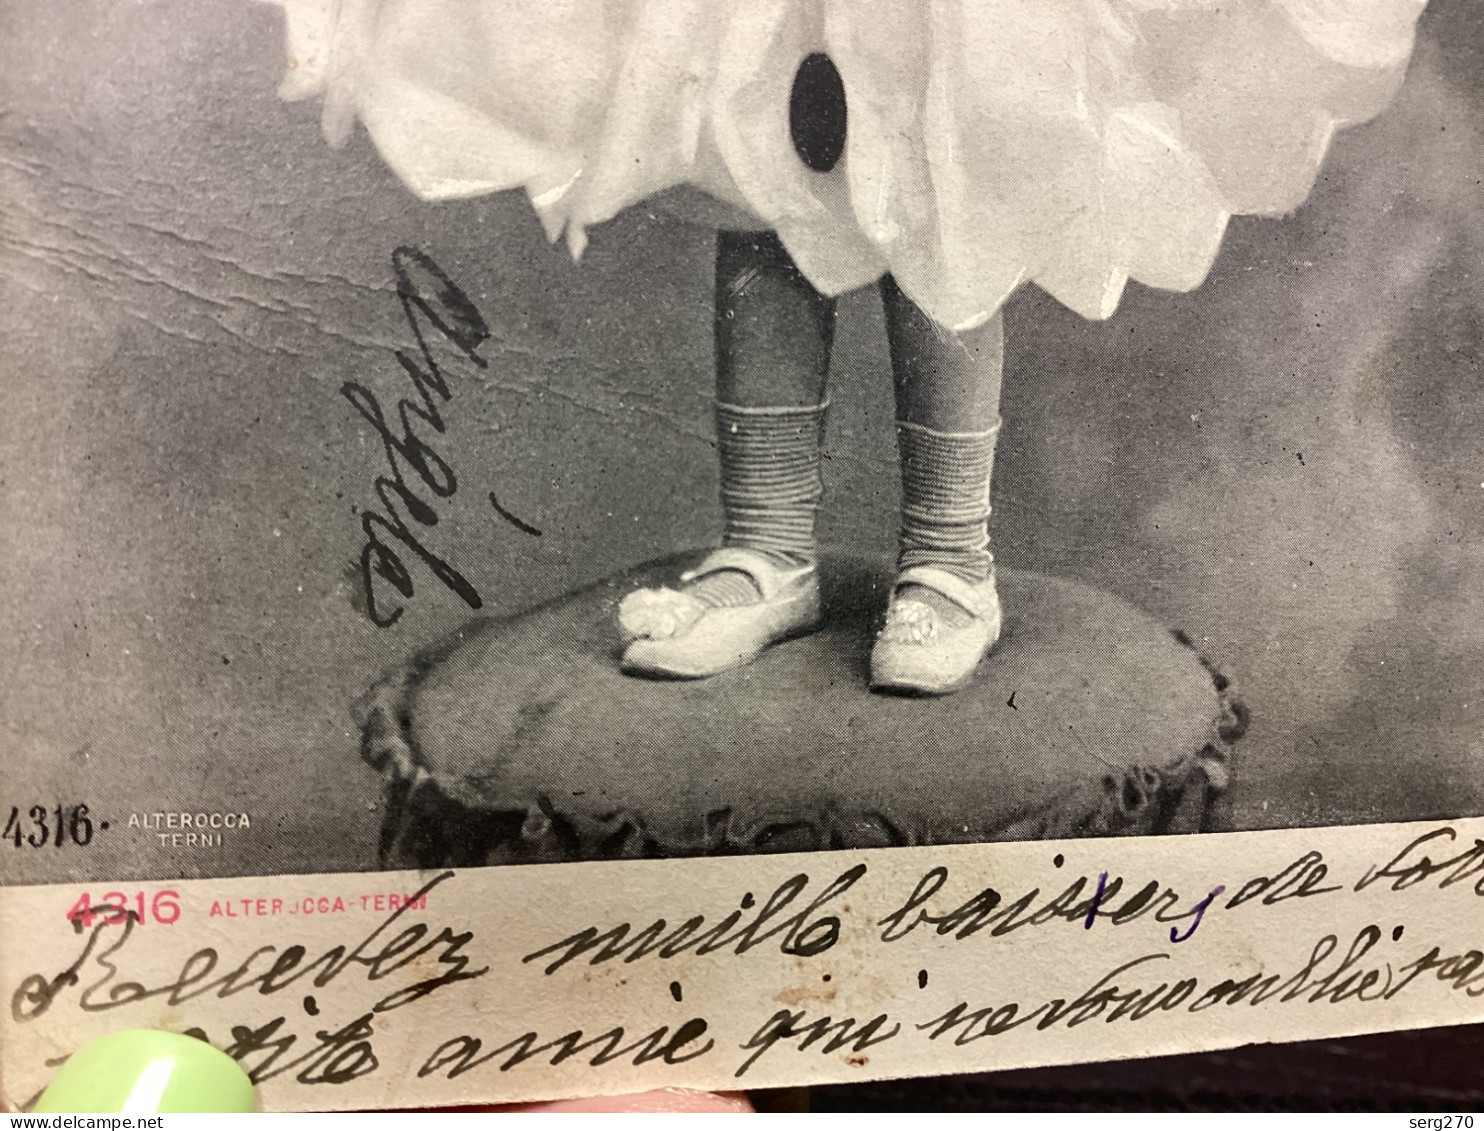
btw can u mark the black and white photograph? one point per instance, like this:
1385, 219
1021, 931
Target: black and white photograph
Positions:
444, 434
450, 432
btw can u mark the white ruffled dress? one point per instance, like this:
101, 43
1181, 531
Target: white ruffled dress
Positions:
1073, 143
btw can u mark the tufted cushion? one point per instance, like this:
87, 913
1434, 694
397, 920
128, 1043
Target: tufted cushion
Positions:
519, 740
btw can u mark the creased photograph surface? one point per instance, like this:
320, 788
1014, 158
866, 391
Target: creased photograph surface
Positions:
450, 434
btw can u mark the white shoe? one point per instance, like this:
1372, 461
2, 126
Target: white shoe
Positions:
674, 634
918, 651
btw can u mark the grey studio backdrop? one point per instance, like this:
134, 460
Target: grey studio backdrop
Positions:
1286, 464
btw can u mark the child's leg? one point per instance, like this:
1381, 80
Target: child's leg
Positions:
773, 337
947, 394
774, 333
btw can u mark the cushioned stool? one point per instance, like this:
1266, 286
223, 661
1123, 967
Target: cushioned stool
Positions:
518, 740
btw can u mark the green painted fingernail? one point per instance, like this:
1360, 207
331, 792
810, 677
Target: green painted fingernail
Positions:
143, 1071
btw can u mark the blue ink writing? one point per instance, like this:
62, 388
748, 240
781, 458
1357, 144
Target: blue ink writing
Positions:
1199, 911
1097, 898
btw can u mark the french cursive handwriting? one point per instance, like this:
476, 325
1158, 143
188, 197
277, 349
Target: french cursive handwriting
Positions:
461, 1054
1410, 866
786, 1025
987, 909
804, 933
898, 955
337, 1058
1299, 880
1130, 991
266, 970
431, 301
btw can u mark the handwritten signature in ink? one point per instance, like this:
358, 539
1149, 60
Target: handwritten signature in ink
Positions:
432, 303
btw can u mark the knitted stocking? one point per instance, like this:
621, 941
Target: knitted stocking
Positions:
945, 504
770, 491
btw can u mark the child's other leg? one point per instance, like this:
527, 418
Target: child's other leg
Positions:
944, 381
774, 333
944, 613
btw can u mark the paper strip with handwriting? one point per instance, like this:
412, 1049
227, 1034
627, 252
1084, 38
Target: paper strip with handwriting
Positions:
348, 991
629, 454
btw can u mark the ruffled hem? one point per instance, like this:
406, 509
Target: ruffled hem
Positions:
991, 143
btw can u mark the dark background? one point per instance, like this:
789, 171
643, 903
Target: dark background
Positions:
1286, 463
1432, 1071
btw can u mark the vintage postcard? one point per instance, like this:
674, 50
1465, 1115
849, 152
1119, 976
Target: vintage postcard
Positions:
571, 547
